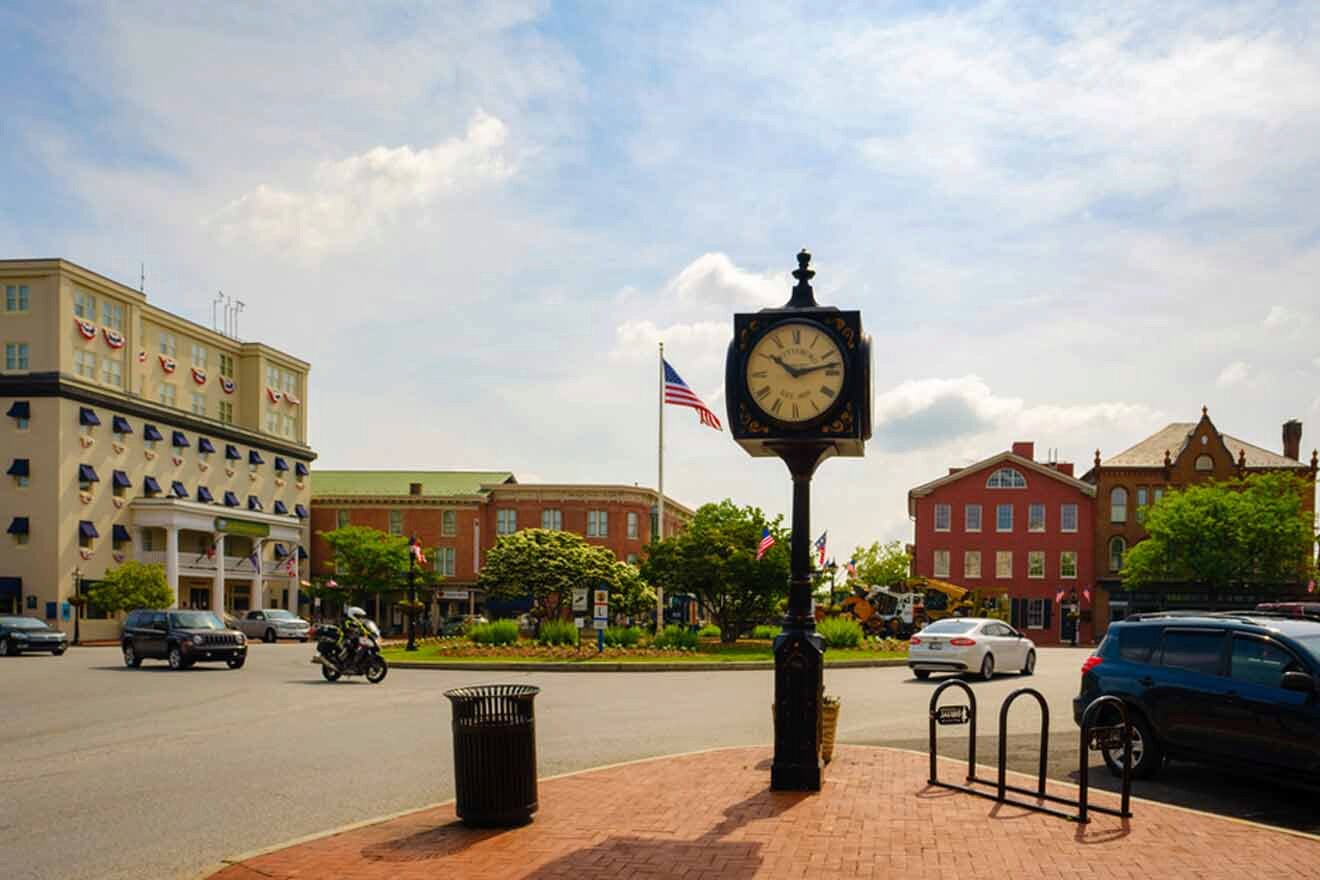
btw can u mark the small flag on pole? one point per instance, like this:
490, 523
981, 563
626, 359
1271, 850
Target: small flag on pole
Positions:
1086, 594
852, 568
679, 394
820, 548
417, 554
1058, 597
767, 541
254, 559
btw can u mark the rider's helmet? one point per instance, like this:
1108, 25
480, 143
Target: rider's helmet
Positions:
354, 612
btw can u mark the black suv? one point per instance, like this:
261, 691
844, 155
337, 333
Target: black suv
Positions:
181, 638
1241, 688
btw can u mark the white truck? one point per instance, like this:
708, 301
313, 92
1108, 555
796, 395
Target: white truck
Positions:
272, 624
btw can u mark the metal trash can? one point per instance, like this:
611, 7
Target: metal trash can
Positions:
494, 753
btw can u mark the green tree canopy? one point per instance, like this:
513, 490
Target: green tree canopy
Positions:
715, 560
546, 565
131, 586
883, 565
1227, 534
367, 560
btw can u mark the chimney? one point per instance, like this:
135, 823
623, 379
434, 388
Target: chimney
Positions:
414, 488
1064, 467
1025, 448
1292, 439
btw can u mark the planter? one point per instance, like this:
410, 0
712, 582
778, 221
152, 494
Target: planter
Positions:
829, 725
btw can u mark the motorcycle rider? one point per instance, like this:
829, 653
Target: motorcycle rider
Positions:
353, 628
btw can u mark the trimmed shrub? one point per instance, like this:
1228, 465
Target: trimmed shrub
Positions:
709, 631
622, 636
765, 631
558, 632
498, 632
840, 632
674, 636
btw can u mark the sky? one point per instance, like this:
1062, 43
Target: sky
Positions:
1061, 224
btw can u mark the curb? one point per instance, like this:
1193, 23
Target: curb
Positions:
593, 666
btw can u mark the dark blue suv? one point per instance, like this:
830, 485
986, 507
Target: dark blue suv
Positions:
1241, 688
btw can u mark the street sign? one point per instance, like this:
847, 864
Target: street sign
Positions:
600, 611
602, 597
580, 598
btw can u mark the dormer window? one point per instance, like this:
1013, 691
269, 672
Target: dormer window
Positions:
1006, 478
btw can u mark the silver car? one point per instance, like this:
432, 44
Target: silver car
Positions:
271, 624
978, 645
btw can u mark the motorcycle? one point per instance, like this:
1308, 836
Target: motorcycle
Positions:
356, 656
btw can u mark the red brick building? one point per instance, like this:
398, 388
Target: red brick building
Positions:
458, 515
1010, 525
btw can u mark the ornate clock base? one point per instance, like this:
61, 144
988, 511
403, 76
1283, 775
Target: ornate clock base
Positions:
799, 687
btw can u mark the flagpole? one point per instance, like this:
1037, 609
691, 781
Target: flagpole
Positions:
660, 480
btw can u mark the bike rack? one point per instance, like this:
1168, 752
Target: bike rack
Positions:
1093, 738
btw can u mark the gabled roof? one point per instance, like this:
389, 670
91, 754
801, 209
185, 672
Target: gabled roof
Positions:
1174, 437
387, 483
1002, 458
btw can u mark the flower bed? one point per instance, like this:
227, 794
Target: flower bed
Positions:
462, 649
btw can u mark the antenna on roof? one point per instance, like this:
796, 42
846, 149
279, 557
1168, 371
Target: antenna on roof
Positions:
219, 298
142, 277
238, 307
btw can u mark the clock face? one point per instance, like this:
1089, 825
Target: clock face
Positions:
795, 372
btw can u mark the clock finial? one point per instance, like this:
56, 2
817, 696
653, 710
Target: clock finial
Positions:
803, 296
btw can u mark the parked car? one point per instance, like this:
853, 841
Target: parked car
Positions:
181, 638
1238, 688
19, 634
979, 645
271, 624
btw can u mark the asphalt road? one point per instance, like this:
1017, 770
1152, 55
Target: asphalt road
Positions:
117, 773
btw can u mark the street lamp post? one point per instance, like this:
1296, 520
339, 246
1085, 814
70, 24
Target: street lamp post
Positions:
1077, 620
832, 568
77, 603
412, 594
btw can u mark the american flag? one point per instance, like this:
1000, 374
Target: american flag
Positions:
767, 541
820, 548
1058, 597
1086, 594
678, 393
417, 554
852, 568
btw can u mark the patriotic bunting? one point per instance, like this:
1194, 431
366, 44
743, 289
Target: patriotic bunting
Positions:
293, 401
274, 395
167, 364
199, 376
113, 338
227, 385
86, 328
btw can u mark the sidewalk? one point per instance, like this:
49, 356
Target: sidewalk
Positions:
710, 815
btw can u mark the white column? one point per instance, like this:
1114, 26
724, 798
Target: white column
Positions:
172, 563
257, 586
218, 585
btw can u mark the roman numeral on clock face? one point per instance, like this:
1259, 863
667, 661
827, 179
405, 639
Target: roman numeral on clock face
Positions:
797, 337
763, 392
774, 407
827, 390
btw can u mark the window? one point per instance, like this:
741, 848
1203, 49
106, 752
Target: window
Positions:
84, 305
16, 297
444, 561
971, 563
16, 355
598, 525
168, 393
168, 344
1260, 662
341, 519
1003, 517
112, 371
290, 426
199, 356
119, 484
1137, 643
396, 522
972, 518
1117, 547
1068, 564
148, 540
1193, 650
506, 522
1204, 462
272, 377
86, 478
632, 525
227, 366
941, 563
1159, 494
1036, 518
272, 422
552, 519
87, 535
943, 517
1068, 517
1036, 564
226, 413
290, 383
449, 523
112, 315
1003, 563
1143, 499
1118, 504
198, 403
1006, 478
1036, 613
84, 363
632, 559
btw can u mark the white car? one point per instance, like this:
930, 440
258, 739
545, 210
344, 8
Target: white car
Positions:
272, 624
978, 645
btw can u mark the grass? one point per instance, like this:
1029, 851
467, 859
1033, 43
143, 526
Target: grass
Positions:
739, 652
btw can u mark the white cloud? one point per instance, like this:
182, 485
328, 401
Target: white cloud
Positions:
349, 199
713, 281
1284, 318
1233, 374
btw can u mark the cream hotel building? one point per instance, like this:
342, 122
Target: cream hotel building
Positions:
127, 432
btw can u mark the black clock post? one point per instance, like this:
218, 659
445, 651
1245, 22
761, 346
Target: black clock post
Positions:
841, 427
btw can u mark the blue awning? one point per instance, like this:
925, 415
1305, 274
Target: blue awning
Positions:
280, 552
87, 530
119, 534
149, 432
231, 452
204, 495
179, 441
87, 416
19, 468
254, 457
300, 511
18, 525
205, 445
281, 464
11, 586
231, 500
302, 554
87, 474
254, 503
150, 486
119, 479
281, 509
300, 469
120, 425
179, 490
20, 409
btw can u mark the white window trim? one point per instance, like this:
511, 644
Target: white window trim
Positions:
948, 519
998, 528
935, 563
980, 518
1062, 519
1044, 518
968, 556
1008, 576
1062, 555
1041, 555
1038, 606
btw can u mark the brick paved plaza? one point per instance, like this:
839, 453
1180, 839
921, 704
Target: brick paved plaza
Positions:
711, 815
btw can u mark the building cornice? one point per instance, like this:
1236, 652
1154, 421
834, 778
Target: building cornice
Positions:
584, 492
466, 502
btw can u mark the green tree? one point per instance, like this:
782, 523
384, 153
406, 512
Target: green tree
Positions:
131, 586
883, 565
715, 560
546, 565
368, 561
1226, 535
630, 594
